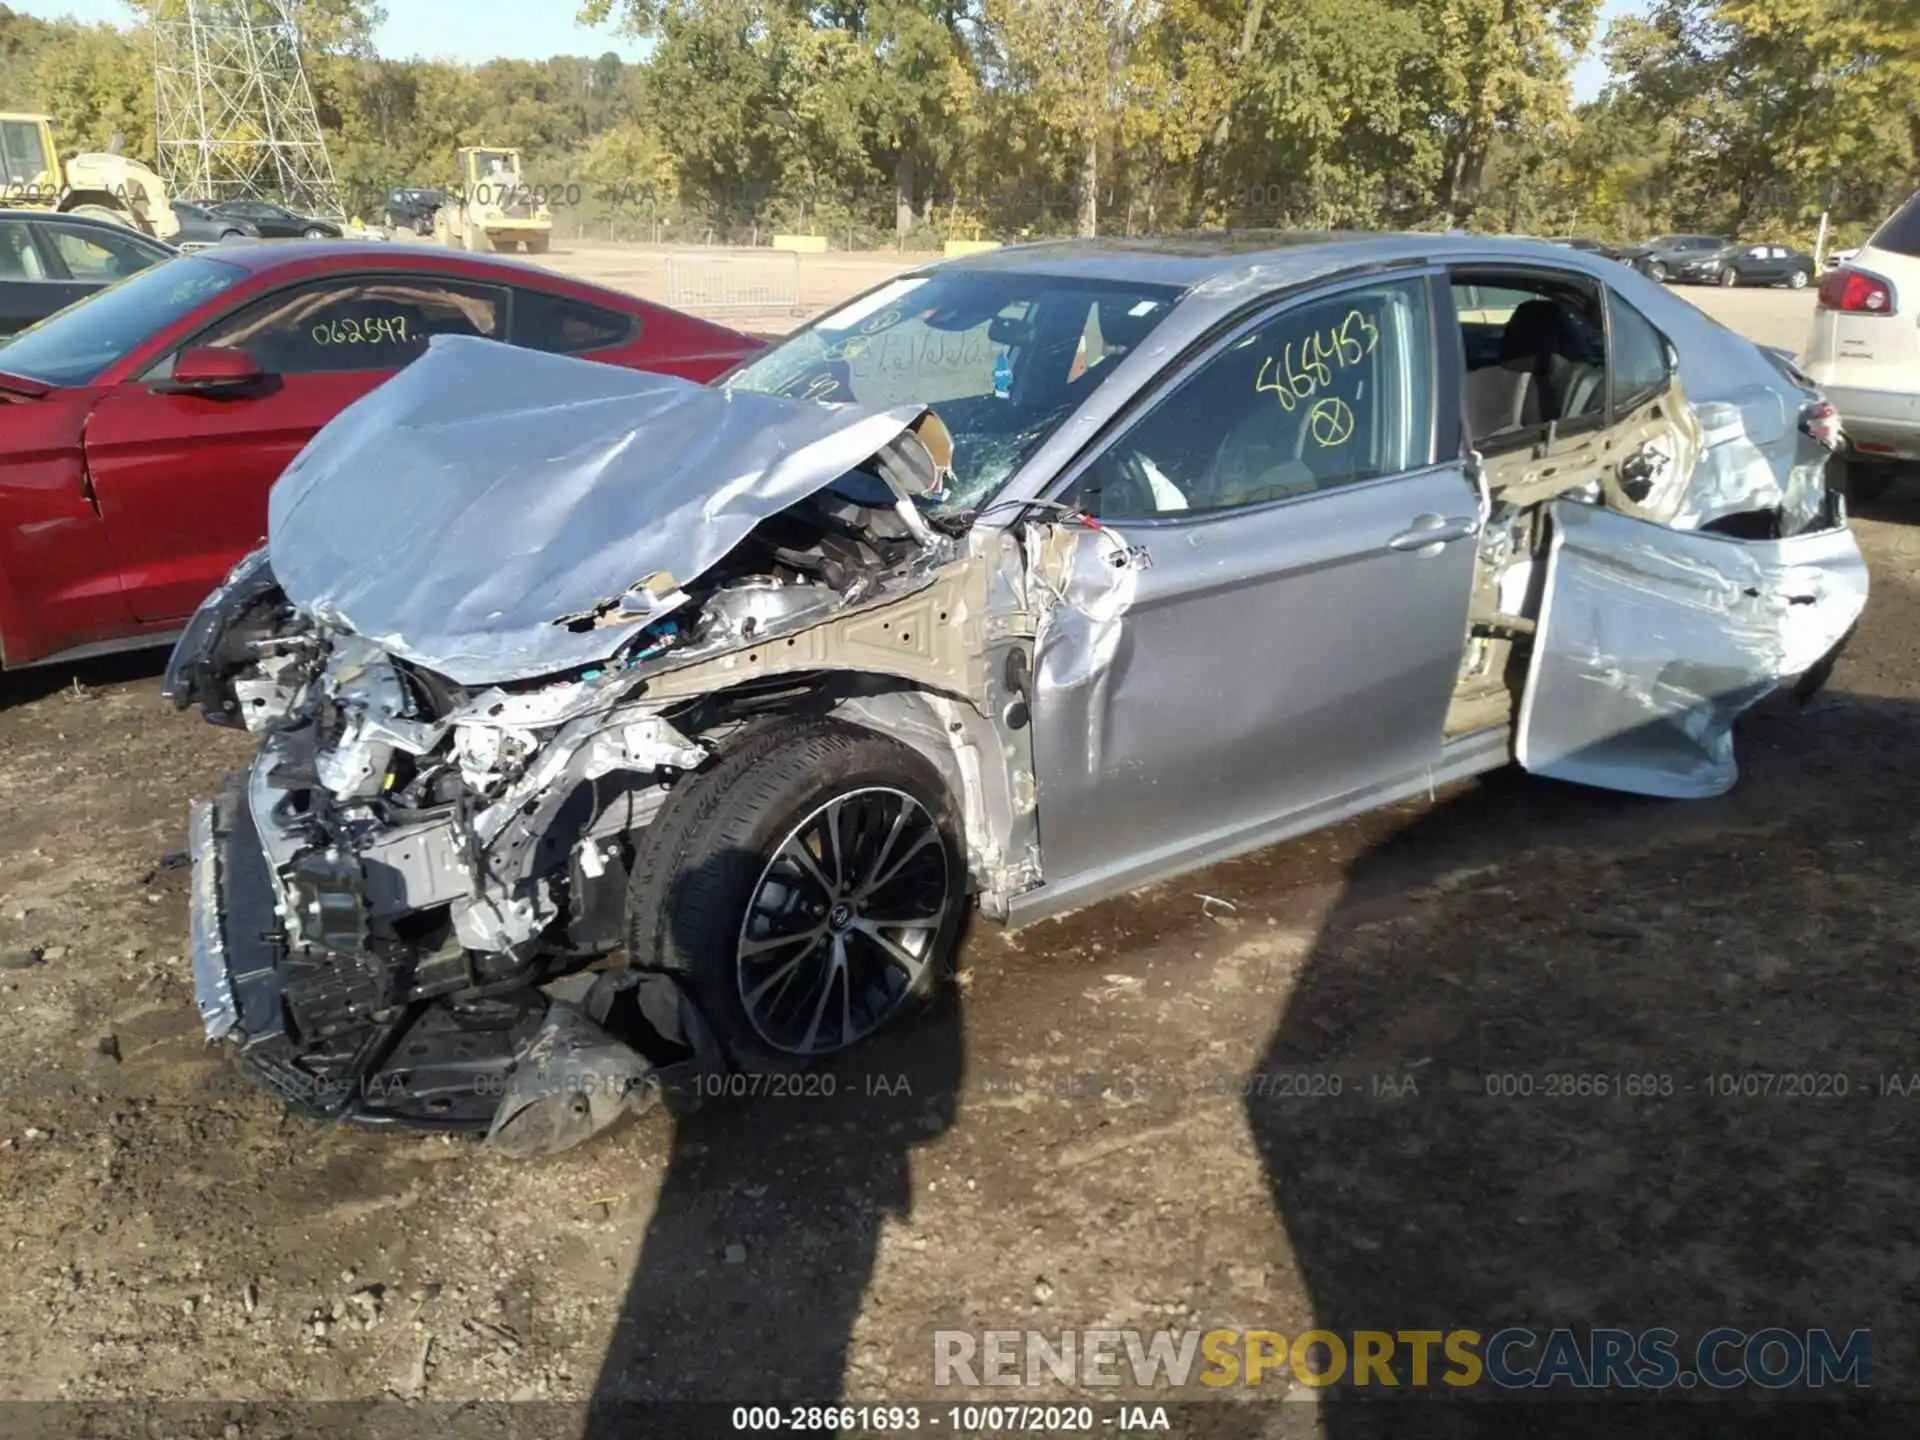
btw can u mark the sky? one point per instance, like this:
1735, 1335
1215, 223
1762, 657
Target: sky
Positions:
466, 30
474, 30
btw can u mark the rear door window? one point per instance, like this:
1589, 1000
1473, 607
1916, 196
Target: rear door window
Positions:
98, 256
1639, 370
564, 326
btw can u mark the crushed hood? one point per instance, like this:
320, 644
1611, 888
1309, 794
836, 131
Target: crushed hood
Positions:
458, 512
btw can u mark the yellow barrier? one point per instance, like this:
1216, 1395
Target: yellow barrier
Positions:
801, 244
956, 248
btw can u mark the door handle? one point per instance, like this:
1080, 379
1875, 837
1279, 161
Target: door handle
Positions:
1430, 532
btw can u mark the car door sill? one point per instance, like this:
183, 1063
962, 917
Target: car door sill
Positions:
1460, 758
151, 640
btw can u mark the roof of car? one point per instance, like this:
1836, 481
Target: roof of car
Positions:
1223, 257
264, 257
257, 257
33, 214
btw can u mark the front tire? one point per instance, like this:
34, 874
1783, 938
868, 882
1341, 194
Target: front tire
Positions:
314, 232
1656, 271
808, 890
1797, 280
1729, 278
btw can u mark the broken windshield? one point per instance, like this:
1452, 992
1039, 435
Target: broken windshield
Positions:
1003, 356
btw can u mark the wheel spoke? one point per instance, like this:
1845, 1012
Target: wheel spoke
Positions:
795, 850
835, 969
780, 977
833, 843
879, 882
774, 942
906, 922
899, 954
886, 846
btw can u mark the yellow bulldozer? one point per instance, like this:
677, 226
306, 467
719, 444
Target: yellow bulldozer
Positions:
109, 185
490, 207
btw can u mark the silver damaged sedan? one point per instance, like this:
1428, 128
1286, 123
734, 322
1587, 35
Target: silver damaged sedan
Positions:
616, 731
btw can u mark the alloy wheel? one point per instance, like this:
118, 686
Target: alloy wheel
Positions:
843, 921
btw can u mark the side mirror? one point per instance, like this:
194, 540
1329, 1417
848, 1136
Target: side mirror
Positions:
211, 370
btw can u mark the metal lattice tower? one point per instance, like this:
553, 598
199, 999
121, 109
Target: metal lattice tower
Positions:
236, 116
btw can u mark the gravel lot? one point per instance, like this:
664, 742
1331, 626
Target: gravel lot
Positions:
1068, 1144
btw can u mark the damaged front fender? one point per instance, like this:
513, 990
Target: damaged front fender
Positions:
1652, 641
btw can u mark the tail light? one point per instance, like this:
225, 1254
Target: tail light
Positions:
1856, 292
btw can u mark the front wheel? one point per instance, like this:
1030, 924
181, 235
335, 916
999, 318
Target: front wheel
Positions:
1657, 271
314, 232
809, 889
1729, 277
1797, 280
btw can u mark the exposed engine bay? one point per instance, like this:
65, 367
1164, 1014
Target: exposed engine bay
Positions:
424, 838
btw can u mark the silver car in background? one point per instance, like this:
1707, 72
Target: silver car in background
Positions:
616, 730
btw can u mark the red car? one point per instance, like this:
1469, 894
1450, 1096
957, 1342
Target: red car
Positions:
141, 429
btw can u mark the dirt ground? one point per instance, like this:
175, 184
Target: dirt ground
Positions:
1071, 1143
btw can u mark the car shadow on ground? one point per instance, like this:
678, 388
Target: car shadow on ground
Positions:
21, 687
1658, 1073
767, 1226
1558, 1057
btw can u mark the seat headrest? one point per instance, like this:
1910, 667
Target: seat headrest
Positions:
1536, 328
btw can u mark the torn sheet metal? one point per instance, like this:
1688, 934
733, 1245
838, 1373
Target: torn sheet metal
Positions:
457, 512
1652, 641
1748, 459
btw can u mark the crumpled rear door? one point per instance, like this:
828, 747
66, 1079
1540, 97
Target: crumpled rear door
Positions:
1651, 641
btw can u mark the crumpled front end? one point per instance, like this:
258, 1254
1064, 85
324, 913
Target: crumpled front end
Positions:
412, 907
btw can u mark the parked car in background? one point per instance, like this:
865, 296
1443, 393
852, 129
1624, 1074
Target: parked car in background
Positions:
1588, 246
412, 209
49, 260
1744, 264
1110, 561
1865, 351
277, 222
200, 227
1660, 257
145, 425
1841, 257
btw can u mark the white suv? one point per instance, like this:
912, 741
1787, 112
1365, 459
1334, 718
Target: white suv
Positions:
1865, 351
